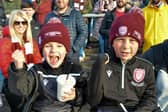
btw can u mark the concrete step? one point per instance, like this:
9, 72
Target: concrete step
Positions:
90, 57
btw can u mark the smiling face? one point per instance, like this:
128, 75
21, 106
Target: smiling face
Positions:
62, 4
54, 53
20, 25
125, 47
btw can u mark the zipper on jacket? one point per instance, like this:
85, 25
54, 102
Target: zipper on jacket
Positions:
123, 75
123, 107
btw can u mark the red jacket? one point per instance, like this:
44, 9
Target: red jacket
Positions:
41, 10
6, 53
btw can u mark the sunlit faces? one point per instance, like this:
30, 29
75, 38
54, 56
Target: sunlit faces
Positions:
125, 47
20, 25
62, 4
29, 12
54, 53
121, 3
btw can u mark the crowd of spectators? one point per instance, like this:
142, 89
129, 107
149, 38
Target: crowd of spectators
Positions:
22, 20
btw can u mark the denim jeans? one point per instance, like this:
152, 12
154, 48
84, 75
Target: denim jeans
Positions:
103, 44
162, 90
1, 81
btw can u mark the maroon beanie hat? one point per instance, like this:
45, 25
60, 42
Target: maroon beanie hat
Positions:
54, 32
129, 24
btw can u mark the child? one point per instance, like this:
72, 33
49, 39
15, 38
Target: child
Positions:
123, 83
54, 43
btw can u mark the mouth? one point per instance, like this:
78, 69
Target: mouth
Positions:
54, 59
124, 54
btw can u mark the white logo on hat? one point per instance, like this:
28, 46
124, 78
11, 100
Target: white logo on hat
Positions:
137, 34
122, 30
53, 33
138, 75
39, 39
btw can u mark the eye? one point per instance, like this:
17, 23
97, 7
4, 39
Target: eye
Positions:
47, 46
119, 39
59, 45
132, 39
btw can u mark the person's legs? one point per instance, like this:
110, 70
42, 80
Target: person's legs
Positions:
106, 44
82, 52
101, 44
90, 31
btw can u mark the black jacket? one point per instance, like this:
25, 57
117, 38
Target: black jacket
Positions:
158, 55
132, 84
22, 82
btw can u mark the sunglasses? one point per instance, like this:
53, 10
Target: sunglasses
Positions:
20, 22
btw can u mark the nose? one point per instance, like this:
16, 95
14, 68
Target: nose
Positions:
126, 44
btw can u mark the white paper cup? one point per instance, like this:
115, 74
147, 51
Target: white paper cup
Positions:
64, 85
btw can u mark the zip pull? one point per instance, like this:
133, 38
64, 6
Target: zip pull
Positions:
123, 107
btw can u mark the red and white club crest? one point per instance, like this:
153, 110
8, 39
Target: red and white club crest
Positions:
138, 75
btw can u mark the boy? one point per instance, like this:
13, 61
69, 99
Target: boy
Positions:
54, 43
123, 83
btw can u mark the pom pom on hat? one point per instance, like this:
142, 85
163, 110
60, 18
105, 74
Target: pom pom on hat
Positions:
129, 24
54, 32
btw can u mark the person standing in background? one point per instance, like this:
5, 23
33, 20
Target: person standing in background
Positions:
10, 5
85, 7
155, 14
27, 7
42, 8
3, 17
101, 6
108, 19
75, 23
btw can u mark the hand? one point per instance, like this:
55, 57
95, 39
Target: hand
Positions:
18, 58
69, 95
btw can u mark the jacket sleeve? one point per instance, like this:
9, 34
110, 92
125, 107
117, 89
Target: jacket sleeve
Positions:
148, 101
82, 32
20, 82
5, 55
95, 84
149, 55
36, 53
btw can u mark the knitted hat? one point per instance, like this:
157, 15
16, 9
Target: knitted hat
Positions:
54, 32
129, 24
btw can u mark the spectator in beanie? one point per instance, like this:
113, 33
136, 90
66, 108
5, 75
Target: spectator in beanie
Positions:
108, 19
123, 82
54, 42
75, 23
